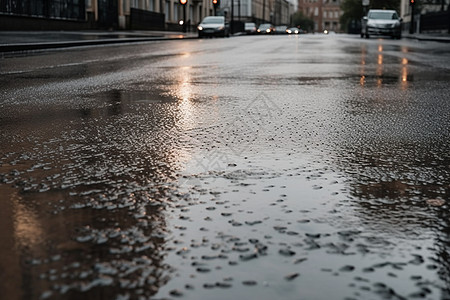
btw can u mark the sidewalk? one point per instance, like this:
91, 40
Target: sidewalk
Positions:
36, 40
443, 38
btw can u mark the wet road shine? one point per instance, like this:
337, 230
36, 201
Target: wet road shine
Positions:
262, 167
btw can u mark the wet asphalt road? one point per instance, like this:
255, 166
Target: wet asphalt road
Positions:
262, 167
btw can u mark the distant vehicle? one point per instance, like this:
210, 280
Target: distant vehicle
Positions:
250, 28
293, 30
280, 29
213, 26
265, 28
381, 22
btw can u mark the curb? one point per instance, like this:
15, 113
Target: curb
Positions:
56, 45
428, 39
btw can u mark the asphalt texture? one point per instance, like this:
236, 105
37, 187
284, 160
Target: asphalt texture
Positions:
253, 167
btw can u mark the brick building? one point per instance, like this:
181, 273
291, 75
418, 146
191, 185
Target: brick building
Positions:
324, 13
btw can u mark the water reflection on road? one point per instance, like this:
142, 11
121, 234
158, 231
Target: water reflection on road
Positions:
191, 179
383, 73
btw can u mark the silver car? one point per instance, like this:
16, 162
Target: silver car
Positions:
250, 28
381, 22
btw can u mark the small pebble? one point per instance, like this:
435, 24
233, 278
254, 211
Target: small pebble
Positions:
291, 276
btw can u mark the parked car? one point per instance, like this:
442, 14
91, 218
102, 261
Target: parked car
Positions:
381, 22
213, 26
250, 28
265, 28
281, 29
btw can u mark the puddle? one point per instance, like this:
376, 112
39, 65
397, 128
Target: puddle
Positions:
311, 186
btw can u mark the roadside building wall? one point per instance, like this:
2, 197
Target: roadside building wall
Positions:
324, 13
313, 10
331, 14
429, 16
257, 11
282, 12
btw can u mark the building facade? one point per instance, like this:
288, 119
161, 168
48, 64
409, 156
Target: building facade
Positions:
430, 16
276, 12
100, 14
282, 11
331, 13
257, 11
135, 14
324, 13
193, 12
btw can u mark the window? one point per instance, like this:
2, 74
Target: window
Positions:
176, 8
167, 11
151, 6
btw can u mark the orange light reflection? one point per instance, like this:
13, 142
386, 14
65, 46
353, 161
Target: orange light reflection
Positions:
380, 59
380, 66
362, 80
404, 77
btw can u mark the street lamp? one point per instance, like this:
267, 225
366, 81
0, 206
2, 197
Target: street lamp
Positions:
412, 3
183, 4
232, 17
365, 4
216, 3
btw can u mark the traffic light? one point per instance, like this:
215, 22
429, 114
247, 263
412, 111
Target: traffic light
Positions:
216, 2
183, 2
412, 2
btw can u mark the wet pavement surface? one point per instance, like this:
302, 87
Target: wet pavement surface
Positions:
275, 167
13, 43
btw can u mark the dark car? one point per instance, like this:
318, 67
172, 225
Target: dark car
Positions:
265, 28
293, 30
213, 26
381, 22
281, 29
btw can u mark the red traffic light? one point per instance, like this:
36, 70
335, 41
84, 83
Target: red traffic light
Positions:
216, 2
183, 2
412, 2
